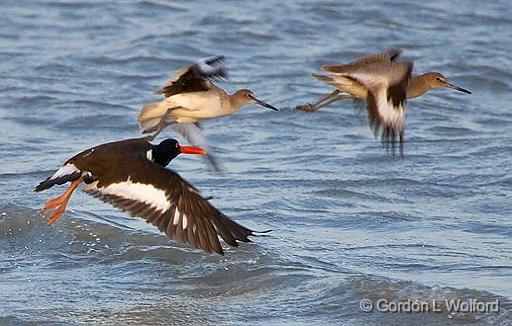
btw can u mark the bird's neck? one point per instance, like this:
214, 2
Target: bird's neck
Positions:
417, 86
235, 103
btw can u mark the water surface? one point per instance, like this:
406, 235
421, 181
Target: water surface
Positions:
348, 221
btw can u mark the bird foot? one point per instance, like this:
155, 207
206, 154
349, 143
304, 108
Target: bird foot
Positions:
59, 203
57, 214
306, 107
52, 203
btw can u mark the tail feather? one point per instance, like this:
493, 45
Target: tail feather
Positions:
337, 80
324, 78
344, 83
52, 181
149, 116
231, 232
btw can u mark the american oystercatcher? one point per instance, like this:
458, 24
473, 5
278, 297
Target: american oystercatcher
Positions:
131, 175
387, 119
190, 97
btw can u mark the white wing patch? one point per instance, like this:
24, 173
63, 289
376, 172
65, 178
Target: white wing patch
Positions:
391, 116
141, 192
176, 218
144, 193
185, 221
64, 170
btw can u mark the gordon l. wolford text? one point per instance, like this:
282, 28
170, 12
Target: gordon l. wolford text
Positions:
446, 305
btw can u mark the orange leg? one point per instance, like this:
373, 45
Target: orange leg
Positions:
60, 202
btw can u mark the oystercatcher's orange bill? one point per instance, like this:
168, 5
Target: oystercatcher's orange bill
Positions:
192, 150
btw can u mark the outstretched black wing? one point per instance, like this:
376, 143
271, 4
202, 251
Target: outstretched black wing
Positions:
166, 200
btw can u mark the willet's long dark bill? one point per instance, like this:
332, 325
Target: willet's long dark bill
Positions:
131, 175
191, 96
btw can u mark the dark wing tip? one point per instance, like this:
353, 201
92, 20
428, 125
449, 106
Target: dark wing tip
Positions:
256, 233
217, 58
43, 185
212, 67
393, 142
394, 54
39, 187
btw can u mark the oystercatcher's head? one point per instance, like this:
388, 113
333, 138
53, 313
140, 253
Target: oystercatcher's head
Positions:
163, 153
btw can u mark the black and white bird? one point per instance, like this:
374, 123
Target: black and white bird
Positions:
131, 175
190, 97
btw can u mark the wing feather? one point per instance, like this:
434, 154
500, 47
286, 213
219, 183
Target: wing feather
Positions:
184, 216
386, 102
195, 78
387, 56
194, 135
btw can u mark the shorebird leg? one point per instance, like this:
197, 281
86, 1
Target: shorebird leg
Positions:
334, 96
161, 125
60, 202
313, 107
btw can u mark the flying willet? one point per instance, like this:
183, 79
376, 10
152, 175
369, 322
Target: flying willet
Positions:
191, 97
131, 175
349, 86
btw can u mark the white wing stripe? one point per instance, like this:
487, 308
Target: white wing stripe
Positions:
185, 221
176, 218
391, 116
145, 193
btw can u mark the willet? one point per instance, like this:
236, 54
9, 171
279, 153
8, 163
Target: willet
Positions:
349, 86
351, 89
191, 97
131, 175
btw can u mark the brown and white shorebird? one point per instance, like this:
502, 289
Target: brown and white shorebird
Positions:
190, 97
349, 86
131, 175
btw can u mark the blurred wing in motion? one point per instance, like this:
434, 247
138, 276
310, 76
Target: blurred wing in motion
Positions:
194, 135
386, 101
388, 56
195, 78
